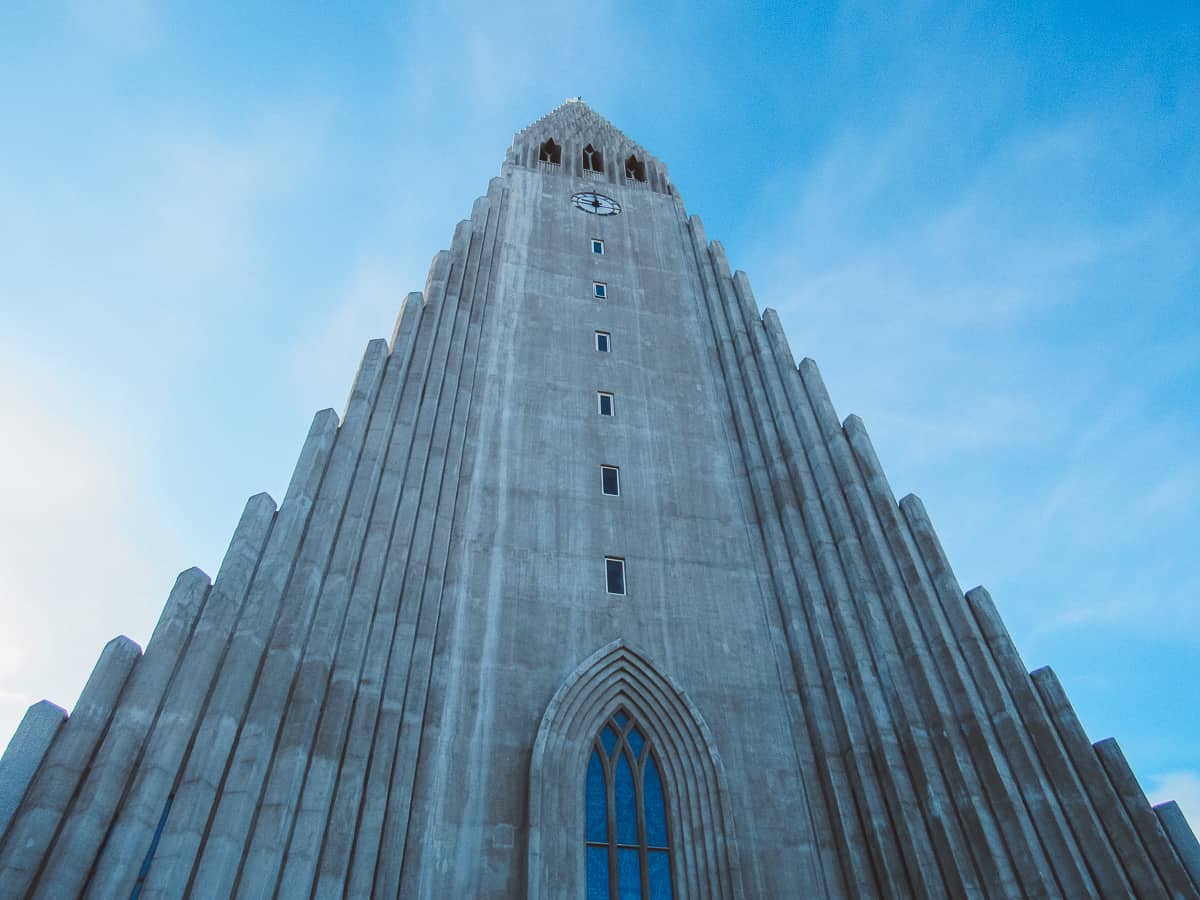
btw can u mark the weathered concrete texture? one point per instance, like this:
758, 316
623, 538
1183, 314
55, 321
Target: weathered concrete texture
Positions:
1182, 839
393, 686
36, 822
96, 800
24, 754
170, 739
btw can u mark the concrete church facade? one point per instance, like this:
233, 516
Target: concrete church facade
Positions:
588, 594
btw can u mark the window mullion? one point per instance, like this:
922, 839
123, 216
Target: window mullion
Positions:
640, 801
610, 791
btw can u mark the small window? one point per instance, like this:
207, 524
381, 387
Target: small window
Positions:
603, 341
599, 290
598, 247
550, 152
606, 403
610, 480
592, 160
614, 574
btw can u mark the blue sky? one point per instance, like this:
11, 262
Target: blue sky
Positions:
982, 223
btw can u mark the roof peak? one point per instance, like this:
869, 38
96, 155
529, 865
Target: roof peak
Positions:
578, 119
586, 144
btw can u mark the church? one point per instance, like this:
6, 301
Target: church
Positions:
587, 594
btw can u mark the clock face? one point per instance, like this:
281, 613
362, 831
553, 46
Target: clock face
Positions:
597, 204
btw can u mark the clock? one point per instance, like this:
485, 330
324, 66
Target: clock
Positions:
597, 204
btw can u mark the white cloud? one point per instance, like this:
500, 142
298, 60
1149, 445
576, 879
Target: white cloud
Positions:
1183, 787
75, 564
126, 25
366, 309
207, 192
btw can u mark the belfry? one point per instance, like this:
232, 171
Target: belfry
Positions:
587, 594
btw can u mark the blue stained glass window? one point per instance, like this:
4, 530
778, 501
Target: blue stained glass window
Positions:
626, 803
635, 742
597, 873
608, 737
656, 814
629, 871
660, 875
597, 802
623, 777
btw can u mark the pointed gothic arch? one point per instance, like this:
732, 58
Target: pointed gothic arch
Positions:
593, 159
635, 168
550, 152
615, 678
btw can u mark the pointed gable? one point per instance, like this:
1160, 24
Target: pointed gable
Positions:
591, 147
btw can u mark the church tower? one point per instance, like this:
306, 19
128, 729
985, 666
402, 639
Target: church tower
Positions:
587, 594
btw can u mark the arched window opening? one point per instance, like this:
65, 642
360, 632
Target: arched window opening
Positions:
635, 168
550, 152
628, 857
592, 160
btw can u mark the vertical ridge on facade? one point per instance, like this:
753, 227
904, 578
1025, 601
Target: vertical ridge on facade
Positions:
24, 755
1109, 877
172, 734
848, 825
36, 822
204, 774
852, 507
97, 798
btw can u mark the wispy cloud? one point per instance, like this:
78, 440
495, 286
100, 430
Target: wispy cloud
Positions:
74, 559
206, 196
364, 308
124, 25
953, 314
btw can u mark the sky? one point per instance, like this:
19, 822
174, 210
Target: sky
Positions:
981, 222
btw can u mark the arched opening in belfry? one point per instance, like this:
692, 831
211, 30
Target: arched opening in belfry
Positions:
635, 169
550, 152
592, 160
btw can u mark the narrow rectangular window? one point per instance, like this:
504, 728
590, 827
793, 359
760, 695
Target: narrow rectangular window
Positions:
598, 246
610, 480
606, 403
614, 573
603, 341
599, 290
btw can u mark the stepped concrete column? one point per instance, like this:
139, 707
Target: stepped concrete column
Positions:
309, 831
173, 732
1138, 866
1147, 824
870, 738
187, 826
1030, 861
448, 431
809, 451
1187, 848
217, 870
1109, 874
353, 826
837, 824
97, 798
36, 822
293, 749
450, 434
24, 754
940, 769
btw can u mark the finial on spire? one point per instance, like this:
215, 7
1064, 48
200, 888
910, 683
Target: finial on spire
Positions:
574, 100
